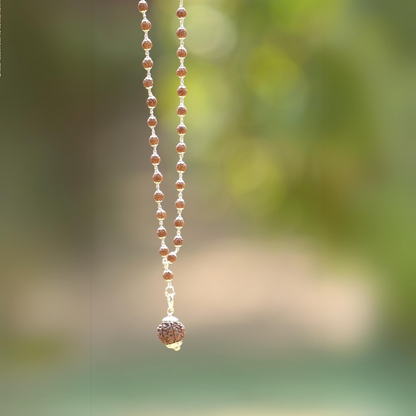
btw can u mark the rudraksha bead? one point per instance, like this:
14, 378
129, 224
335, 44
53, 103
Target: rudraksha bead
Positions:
147, 44
148, 82
152, 121
181, 111
181, 148
180, 203
181, 33
178, 240
157, 177
181, 12
181, 52
145, 25
159, 196
181, 129
181, 166
147, 63
164, 251
161, 214
155, 159
151, 102
161, 232
182, 91
179, 222
142, 6
153, 140
171, 332
180, 184
181, 72
168, 274
172, 257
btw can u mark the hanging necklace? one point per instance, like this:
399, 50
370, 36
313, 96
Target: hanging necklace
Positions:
171, 332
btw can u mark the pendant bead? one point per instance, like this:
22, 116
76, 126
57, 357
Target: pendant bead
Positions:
181, 72
181, 12
154, 141
145, 25
168, 274
171, 333
181, 33
152, 121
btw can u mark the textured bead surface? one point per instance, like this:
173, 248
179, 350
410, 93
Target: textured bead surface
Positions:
181, 111
161, 232
178, 240
147, 63
155, 159
148, 82
145, 25
180, 184
181, 52
181, 148
164, 251
171, 332
181, 166
181, 33
153, 141
180, 203
181, 12
142, 6
159, 196
151, 102
179, 222
168, 274
182, 91
181, 129
157, 177
152, 121
172, 257
161, 214
147, 44
181, 71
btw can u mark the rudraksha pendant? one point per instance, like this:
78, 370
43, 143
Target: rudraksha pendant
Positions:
171, 332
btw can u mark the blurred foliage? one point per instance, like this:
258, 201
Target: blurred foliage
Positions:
301, 117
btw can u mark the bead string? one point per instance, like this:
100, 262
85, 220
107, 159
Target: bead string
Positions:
167, 256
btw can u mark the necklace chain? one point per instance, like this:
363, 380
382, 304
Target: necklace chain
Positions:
167, 256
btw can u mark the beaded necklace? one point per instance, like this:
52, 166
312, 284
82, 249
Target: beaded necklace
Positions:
171, 332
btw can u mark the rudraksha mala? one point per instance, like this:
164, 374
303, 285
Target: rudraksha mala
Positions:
171, 332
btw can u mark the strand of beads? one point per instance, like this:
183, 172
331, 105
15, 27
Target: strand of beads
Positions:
153, 140
181, 129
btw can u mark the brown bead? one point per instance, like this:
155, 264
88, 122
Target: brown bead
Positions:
179, 222
168, 274
181, 129
178, 240
151, 102
180, 184
155, 159
171, 332
142, 6
181, 71
157, 177
153, 141
181, 166
181, 111
147, 44
158, 196
148, 82
152, 121
145, 25
163, 251
161, 214
147, 63
182, 91
181, 33
181, 12
180, 203
181, 52
172, 257
161, 232
181, 148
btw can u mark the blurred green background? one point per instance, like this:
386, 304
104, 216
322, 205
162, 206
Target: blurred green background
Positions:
297, 278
